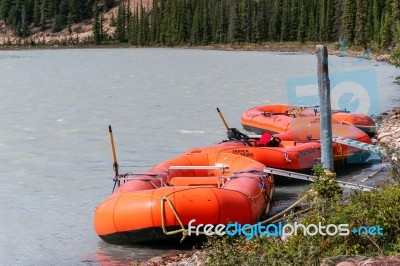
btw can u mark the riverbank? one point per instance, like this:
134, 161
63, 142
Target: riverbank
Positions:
309, 47
378, 250
283, 47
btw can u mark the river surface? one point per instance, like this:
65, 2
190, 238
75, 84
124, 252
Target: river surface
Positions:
55, 108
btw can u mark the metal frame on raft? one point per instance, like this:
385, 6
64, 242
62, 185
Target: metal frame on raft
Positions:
132, 176
311, 178
222, 180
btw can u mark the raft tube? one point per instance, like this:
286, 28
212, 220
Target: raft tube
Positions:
281, 118
160, 203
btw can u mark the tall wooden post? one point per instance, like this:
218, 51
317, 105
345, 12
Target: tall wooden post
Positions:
324, 92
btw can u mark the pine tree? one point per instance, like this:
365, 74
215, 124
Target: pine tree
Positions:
361, 24
5, 6
386, 30
120, 29
247, 21
154, 26
23, 30
97, 25
108, 4
222, 31
293, 20
195, 33
301, 35
377, 15
206, 38
310, 31
142, 25
395, 16
63, 14
72, 11
234, 34
36, 13
274, 20
338, 26
349, 19
330, 20
285, 26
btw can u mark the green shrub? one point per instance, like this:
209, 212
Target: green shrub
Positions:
396, 57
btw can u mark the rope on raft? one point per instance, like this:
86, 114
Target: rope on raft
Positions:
183, 230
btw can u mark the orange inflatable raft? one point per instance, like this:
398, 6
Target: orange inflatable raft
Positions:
197, 189
341, 152
282, 117
289, 155
294, 150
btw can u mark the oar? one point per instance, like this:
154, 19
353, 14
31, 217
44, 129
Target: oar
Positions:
223, 119
236, 134
115, 165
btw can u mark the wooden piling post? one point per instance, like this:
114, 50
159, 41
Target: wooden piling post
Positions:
324, 91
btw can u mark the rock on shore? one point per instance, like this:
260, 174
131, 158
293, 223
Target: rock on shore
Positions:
197, 258
389, 129
356, 260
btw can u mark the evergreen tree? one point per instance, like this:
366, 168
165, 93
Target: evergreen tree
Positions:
195, 33
234, 31
23, 30
142, 34
395, 16
377, 15
338, 27
361, 24
63, 14
349, 19
36, 14
120, 29
285, 26
5, 6
97, 25
329, 21
206, 38
247, 20
386, 30
108, 4
301, 35
222, 31
56, 27
154, 26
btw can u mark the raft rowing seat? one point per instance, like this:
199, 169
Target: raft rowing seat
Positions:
209, 180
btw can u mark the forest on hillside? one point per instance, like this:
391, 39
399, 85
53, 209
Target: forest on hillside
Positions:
23, 15
202, 22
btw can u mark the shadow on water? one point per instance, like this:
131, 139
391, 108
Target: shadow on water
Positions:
116, 255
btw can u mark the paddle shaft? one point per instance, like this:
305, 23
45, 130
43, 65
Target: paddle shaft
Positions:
115, 165
223, 119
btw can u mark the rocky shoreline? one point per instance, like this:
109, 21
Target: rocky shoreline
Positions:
388, 136
389, 129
